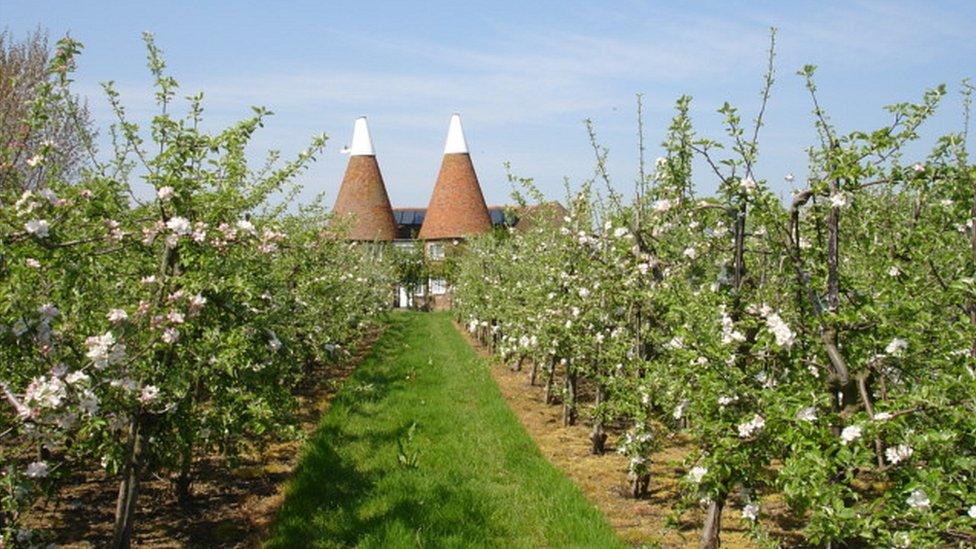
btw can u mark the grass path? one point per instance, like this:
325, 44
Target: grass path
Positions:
479, 480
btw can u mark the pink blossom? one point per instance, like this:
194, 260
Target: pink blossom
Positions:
148, 394
103, 350
171, 335
179, 225
196, 304
114, 230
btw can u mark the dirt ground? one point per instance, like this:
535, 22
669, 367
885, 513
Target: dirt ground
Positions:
603, 478
231, 506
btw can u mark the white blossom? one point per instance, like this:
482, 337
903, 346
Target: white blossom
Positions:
45, 392
972, 511
165, 193
662, 206
807, 414
77, 377
729, 333
246, 226
751, 427
148, 394
35, 160
88, 402
679, 410
117, 315
850, 434
171, 335
897, 454
690, 252
274, 343
697, 473
38, 227
196, 303
675, 343
747, 184
896, 346
750, 512
726, 400
38, 469
840, 200
784, 335
125, 383
103, 350
919, 500
894, 271
179, 225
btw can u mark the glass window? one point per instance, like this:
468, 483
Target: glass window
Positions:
438, 286
435, 250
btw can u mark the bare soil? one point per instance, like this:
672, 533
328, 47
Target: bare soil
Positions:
603, 478
232, 505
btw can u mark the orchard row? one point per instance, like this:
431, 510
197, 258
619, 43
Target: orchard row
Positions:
138, 332
821, 351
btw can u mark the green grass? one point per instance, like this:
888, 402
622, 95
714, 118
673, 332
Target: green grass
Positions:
478, 480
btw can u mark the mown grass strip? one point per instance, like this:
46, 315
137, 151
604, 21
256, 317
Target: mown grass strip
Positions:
420, 449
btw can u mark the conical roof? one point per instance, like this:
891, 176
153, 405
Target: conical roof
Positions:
362, 197
457, 208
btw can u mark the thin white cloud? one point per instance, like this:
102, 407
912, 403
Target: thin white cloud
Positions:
548, 77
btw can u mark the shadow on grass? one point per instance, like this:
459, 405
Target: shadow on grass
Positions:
334, 504
350, 489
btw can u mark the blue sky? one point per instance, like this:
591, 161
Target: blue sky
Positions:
523, 75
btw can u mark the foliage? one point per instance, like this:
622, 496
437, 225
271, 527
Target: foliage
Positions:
823, 349
139, 333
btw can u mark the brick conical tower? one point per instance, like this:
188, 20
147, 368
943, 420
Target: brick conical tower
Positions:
457, 208
362, 197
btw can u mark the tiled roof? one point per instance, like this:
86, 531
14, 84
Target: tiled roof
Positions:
532, 215
457, 207
363, 200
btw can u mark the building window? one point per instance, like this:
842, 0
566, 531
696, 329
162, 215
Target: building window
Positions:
435, 250
438, 286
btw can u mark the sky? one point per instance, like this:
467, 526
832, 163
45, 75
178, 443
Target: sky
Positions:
523, 75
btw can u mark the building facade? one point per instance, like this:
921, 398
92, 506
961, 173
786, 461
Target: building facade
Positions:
456, 212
